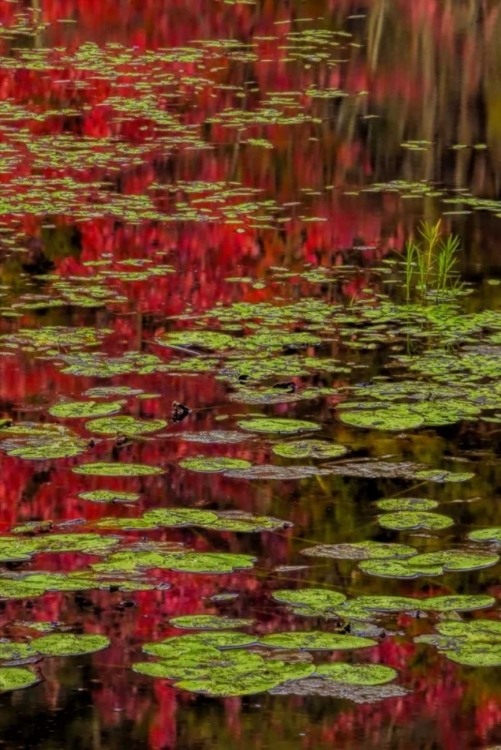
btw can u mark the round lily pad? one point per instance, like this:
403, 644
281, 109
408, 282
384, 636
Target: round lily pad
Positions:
357, 674
368, 550
117, 470
310, 602
406, 504
209, 622
320, 449
404, 520
315, 641
180, 517
84, 409
67, 644
109, 496
214, 464
486, 535
395, 418
11, 651
16, 678
436, 475
126, 425
277, 425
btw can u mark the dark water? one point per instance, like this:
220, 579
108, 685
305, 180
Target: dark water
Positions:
216, 143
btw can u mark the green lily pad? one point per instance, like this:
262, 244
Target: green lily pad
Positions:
392, 418
126, 425
475, 644
179, 517
357, 674
277, 425
226, 682
67, 644
315, 641
245, 523
184, 562
209, 622
486, 535
436, 475
11, 651
403, 520
429, 564
84, 409
320, 449
214, 464
109, 496
116, 470
200, 645
406, 504
310, 602
112, 390
368, 550
213, 437
16, 678
41, 441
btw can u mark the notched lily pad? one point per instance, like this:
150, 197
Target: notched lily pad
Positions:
129, 426
84, 409
209, 622
319, 449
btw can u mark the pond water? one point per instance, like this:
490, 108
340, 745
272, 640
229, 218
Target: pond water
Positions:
249, 453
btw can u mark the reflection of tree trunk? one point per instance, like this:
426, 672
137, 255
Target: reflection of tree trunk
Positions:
376, 24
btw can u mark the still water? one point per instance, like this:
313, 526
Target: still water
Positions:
211, 376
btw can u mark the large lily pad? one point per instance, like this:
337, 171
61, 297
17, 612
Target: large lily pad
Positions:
429, 564
406, 504
209, 622
109, 496
117, 470
357, 674
84, 409
368, 550
67, 644
310, 602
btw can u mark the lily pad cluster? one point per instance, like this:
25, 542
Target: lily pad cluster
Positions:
40, 441
474, 644
231, 520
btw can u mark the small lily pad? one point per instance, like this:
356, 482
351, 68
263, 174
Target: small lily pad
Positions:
319, 449
214, 464
109, 496
16, 678
277, 425
406, 504
310, 602
436, 475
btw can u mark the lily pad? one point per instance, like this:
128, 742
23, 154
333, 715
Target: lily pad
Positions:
117, 470
486, 535
84, 409
406, 504
214, 464
226, 683
357, 674
404, 520
109, 496
368, 550
209, 622
310, 602
16, 678
277, 425
392, 418
316, 641
67, 644
126, 425
319, 449
429, 564
212, 437
436, 475
324, 686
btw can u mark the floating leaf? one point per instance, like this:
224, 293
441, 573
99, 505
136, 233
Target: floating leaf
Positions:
320, 449
117, 470
126, 425
357, 674
214, 464
315, 641
436, 475
392, 418
84, 409
323, 686
486, 535
406, 504
109, 496
275, 424
16, 678
310, 602
67, 644
209, 622
368, 550
226, 682
404, 520
213, 437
